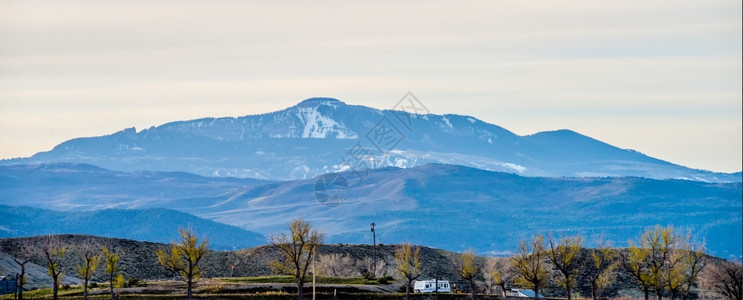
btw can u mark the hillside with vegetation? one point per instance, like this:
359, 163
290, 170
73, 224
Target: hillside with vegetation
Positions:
138, 263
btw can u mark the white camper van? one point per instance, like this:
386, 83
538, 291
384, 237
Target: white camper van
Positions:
429, 286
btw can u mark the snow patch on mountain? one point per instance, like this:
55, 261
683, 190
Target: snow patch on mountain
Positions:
318, 126
446, 122
518, 168
401, 163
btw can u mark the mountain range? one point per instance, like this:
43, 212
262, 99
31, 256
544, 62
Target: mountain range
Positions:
322, 135
444, 206
446, 181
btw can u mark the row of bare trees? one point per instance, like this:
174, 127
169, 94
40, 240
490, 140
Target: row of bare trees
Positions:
663, 261
182, 260
343, 265
301, 243
530, 267
300, 246
53, 252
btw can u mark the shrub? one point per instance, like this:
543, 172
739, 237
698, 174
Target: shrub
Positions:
134, 282
367, 276
215, 289
93, 285
385, 280
119, 283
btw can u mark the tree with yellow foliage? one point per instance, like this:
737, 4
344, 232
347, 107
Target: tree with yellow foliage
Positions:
694, 261
531, 264
601, 267
469, 269
118, 284
184, 257
562, 253
502, 272
684, 265
635, 262
648, 259
112, 269
53, 253
408, 264
299, 248
91, 260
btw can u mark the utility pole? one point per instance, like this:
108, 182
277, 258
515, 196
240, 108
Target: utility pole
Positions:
17, 293
313, 276
437, 285
374, 250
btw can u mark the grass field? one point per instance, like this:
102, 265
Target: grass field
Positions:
260, 287
290, 279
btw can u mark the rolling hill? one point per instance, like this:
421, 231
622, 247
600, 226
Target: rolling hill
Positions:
152, 224
443, 206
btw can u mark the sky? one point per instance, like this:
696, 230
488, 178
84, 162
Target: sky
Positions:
660, 77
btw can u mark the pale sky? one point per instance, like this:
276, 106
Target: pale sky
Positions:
660, 77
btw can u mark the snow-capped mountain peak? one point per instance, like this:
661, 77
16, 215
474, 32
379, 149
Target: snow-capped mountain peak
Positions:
321, 135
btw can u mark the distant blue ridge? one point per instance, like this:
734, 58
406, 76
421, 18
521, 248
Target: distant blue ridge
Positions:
438, 205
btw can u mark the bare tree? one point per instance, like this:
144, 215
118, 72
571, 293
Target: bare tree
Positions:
562, 253
299, 248
184, 257
601, 267
694, 262
469, 269
531, 265
380, 268
112, 269
501, 272
336, 264
726, 278
408, 265
487, 273
91, 259
23, 258
53, 253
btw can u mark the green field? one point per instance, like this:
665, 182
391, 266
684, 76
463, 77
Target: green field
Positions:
259, 287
